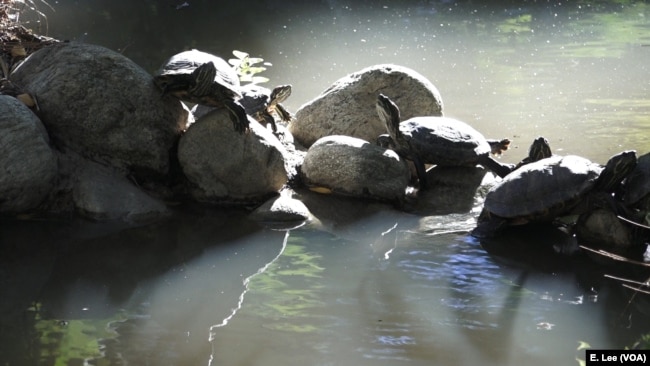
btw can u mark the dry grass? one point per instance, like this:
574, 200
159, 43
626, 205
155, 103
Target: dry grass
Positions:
11, 11
17, 41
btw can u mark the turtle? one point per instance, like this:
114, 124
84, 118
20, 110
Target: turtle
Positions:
538, 150
200, 77
441, 141
260, 102
637, 186
551, 187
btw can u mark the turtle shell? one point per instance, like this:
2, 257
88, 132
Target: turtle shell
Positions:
255, 98
444, 141
179, 69
637, 184
543, 189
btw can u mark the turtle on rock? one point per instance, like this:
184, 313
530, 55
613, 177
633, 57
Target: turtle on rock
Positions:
538, 150
199, 77
551, 187
441, 141
637, 186
261, 103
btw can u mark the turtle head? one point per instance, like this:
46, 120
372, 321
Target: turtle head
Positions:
280, 94
202, 78
539, 149
617, 168
170, 84
389, 115
497, 147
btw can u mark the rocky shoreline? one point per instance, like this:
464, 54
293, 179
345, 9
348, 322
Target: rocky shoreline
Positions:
101, 142
104, 144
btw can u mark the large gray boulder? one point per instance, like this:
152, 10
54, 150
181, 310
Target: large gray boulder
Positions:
227, 167
355, 167
348, 106
103, 106
28, 165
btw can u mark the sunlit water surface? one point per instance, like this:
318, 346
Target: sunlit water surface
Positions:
366, 284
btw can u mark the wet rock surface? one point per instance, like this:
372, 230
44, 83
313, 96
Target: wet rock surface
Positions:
348, 106
102, 105
223, 165
352, 166
28, 164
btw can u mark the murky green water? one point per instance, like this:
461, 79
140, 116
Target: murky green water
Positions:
366, 285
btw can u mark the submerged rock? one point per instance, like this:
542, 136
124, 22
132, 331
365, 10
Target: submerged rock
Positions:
227, 167
283, 208
103, 106
28, 164
99, 193
348, 106
601, 229
354, 167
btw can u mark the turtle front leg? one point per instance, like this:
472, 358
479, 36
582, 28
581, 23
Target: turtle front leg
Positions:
269, 120
283, 113
238, 116
498, 168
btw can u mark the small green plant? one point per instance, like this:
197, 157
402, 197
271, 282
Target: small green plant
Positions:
247, 67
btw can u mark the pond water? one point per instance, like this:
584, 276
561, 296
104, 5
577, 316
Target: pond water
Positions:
365, 284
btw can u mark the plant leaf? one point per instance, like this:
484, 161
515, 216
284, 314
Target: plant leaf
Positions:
239, 54
583, 345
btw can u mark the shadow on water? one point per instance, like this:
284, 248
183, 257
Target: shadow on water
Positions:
155, 288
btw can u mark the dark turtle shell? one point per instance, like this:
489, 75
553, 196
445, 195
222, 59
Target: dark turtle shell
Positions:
205, 79
178, 74
260, 102
255, 98
543, 189
444, 141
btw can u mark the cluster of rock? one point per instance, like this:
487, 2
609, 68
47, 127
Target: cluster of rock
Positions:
104, 143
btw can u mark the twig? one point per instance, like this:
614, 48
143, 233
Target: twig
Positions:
636, 289
633, 222
615, 257
647, 283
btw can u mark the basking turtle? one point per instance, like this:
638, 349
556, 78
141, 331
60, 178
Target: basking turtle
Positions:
203, 78
260, 102
637, 185
538, 150
435, 140
548, 188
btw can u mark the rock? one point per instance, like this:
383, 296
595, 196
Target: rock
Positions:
601, 229
352, 166
451, 190
103, 106
348, 106
28, 164
283, 208
100, 193
227, 167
